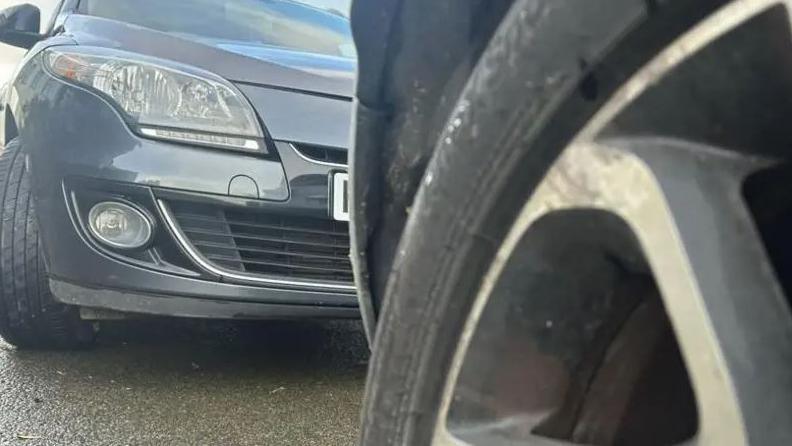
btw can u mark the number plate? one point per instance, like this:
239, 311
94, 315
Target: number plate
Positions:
339, 198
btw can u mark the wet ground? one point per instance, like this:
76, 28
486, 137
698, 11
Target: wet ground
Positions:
173, 382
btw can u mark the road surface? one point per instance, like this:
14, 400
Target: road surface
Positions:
174, 382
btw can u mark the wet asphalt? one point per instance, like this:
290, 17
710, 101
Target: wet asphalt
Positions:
177, 382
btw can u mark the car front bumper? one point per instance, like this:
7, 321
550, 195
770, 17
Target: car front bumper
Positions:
80, 152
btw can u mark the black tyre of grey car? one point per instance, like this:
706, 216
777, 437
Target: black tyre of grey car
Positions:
547, 69
29, 316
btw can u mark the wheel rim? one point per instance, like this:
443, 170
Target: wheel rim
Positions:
674, 211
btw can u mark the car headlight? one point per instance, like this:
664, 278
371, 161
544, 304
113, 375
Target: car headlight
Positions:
163, 102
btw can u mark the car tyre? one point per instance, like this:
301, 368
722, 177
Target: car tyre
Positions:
519, 110
30, 318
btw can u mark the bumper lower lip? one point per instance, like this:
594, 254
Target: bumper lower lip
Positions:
191, 307
200, 260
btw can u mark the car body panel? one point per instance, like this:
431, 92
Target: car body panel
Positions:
188, 306
111, 151
78, 145
302, 117
296, 72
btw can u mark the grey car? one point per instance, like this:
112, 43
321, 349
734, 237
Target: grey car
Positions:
181, 158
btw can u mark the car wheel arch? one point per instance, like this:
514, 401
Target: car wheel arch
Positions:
400, 115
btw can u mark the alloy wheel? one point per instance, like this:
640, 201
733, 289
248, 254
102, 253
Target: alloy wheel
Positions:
640, 295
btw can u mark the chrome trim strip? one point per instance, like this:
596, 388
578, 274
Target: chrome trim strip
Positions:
311, 160
199, 259
250, 145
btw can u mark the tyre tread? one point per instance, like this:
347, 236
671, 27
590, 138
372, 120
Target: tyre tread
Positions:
29, 316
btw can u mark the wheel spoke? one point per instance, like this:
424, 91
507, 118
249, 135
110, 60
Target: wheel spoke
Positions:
733, 324
730, 17
685, 205
444, 438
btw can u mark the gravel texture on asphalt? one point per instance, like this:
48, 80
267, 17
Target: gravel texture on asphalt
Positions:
178, 382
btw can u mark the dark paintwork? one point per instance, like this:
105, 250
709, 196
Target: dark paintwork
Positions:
72, 135
305, 118
111, 151
186, 306
312, 74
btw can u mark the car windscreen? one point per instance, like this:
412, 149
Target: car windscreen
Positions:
314, 26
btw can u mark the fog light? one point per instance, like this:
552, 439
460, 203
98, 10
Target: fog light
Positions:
119, 225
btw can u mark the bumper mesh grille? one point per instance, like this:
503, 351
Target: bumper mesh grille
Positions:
267, 244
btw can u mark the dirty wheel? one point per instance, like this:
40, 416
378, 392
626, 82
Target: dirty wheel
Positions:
29, 317
610, 269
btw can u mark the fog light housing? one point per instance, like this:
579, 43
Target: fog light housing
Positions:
119, 225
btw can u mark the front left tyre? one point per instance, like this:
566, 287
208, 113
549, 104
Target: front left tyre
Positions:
29, 316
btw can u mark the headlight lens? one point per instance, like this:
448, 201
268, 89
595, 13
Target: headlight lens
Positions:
164, 102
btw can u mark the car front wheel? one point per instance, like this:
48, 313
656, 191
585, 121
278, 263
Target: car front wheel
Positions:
29, 316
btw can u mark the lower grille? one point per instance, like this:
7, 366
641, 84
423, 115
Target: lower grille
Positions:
266, 244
